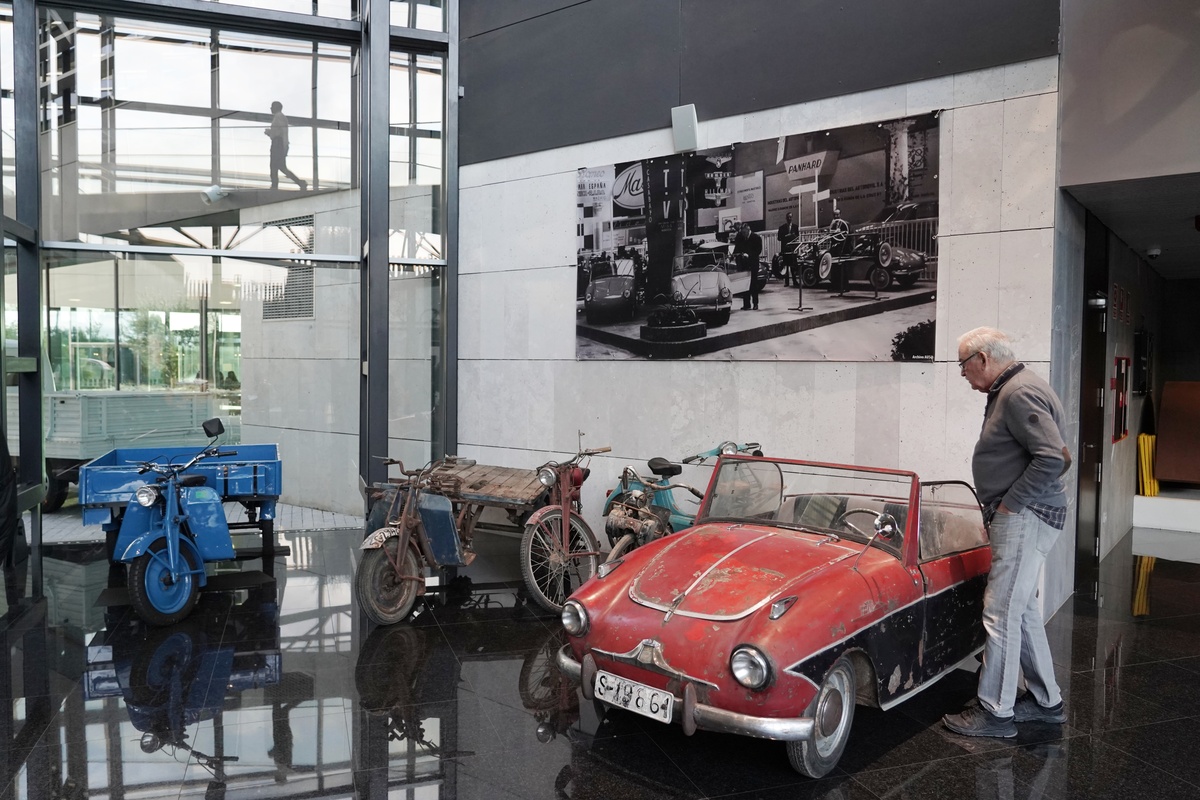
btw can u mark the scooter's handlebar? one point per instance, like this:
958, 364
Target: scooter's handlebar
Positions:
225, 453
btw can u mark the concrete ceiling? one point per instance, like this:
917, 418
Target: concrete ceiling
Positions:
1152, 212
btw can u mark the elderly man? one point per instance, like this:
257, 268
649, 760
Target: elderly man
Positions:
1018, 464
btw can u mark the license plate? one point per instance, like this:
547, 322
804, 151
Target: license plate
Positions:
636, 697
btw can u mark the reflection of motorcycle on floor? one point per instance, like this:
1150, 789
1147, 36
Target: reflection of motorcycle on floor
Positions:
546, 692
173, 678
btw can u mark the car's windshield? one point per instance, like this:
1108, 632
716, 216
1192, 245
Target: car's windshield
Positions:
703, 260
825, 499
608, 269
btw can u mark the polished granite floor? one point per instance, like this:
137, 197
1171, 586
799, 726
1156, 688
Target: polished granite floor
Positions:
280, 689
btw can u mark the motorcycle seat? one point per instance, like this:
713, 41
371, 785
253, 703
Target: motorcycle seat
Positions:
193, 480
663, 468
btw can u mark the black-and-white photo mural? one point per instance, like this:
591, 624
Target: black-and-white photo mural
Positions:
809, 247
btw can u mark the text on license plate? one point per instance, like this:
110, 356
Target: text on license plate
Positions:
637, 697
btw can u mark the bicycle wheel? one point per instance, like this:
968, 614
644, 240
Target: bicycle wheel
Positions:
551, 573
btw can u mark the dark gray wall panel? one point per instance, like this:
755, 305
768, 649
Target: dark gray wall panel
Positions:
757, 54
482, 16
591, 71
541, 74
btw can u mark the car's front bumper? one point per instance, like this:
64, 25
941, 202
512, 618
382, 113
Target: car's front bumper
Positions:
695, 716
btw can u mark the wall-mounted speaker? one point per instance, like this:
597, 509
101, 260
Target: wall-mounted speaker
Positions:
683, 128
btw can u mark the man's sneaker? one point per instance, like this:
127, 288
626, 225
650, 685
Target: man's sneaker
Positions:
1026, 709
978, 721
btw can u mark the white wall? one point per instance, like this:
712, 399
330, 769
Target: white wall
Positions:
523, 396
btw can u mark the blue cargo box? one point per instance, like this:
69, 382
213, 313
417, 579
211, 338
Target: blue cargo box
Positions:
254, 474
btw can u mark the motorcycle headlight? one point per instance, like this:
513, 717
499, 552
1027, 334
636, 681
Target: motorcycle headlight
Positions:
728, 448
146, 495
574, 618
750, 667
547, 477
678, 297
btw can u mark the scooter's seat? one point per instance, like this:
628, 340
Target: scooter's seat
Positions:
663, 468
193, 480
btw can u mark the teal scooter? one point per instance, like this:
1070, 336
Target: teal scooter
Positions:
639, 510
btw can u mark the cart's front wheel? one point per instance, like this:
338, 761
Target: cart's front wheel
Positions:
154, 594
550, 572
385, 596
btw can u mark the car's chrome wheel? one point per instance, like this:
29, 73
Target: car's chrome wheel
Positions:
880, 278
832, 711
885, 255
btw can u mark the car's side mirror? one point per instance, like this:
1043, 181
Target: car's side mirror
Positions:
886, 527
213, 427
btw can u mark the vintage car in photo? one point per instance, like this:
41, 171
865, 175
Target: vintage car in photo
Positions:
611, 292
802, 589
699, 281
880, 252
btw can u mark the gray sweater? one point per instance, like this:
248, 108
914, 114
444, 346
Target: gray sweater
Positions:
1019, 456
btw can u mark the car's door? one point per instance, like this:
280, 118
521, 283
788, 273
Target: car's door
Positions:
954, 558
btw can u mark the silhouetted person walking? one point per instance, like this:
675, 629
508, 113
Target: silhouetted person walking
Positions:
278, 131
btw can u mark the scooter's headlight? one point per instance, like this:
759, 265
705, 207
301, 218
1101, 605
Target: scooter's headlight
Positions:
574, 618
547, 477
728, 448
146, 495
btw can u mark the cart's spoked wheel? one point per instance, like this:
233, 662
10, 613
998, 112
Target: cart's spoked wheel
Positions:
550, 573
825, 266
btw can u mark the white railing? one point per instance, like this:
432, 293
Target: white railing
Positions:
917, 234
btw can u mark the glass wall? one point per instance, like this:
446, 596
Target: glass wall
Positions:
7, 163
174, 135
201, 211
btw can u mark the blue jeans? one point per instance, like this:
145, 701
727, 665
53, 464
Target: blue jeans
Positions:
1012, 617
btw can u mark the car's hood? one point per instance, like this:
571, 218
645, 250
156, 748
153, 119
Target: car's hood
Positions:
725, 572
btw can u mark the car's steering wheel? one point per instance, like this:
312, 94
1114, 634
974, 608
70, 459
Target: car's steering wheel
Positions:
839, 229
841, 519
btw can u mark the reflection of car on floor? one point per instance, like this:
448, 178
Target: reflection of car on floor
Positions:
802, 590
611, 293
867, 253
699, 281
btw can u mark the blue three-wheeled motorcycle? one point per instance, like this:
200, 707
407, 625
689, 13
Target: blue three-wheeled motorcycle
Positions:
163, 514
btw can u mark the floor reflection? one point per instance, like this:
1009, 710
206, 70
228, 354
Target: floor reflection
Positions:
281, 689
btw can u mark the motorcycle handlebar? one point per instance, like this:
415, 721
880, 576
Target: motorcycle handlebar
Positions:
595, 451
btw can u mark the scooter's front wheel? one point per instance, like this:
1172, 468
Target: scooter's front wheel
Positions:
551, 573
157, 598
385, 596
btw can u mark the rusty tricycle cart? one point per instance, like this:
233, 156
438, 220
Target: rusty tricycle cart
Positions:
426, 519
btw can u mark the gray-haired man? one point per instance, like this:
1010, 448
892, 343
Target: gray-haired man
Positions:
1018, 464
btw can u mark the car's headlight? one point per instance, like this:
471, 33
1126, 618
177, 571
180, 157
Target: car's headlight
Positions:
547, 477
587, 296
574, 618
725, 293
625, 294
679, 297
750, 667
146, 495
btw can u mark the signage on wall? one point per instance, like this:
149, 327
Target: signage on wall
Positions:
1121, 306
807, 168
1120, 389
628, 189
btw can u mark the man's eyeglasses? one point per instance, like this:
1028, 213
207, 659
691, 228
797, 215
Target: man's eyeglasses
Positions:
963, 364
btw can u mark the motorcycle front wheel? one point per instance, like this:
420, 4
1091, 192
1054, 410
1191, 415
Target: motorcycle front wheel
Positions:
155, 597
385, 596
551, 573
